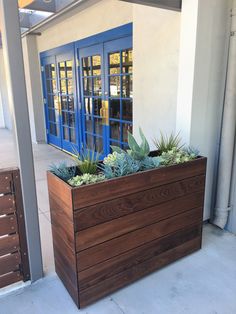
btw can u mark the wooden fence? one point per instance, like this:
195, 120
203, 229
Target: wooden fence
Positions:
14, 263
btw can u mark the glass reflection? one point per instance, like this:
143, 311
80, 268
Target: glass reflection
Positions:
63, 86
72, 120
70, 86
97, 86
62, 70
65, 118
96, 64
127, 61
115, 86
63, 102
114, 63
89, 141
88, 102
98, 144
115, 108
126, 127
127, 106
88, 86
72, 135
69, 69
86, 64
127, 86
115, 130
66, 134
98, 126
89, 124
97, 104
71, 105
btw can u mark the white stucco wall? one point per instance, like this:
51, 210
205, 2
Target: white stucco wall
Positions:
84, 21
4, 94
205, 33
156, 57
2, 122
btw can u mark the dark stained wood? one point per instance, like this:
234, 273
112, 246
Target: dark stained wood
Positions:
5, 182
108, 234
21, 225
9, 244
119, 207
122, 262
10, 278
8, 225
119, 187
7, 204
117, 227
116, 246
9, 263
128, 276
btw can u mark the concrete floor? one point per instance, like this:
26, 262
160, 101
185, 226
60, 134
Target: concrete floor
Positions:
202, 283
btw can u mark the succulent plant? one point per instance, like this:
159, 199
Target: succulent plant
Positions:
167, 143
86, 179
87, 160
138, 152
63, 170
175, 156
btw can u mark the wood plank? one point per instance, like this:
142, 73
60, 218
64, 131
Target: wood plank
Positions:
114, 247
8, 225
10, 278
118, 207
7, 204
62, 223
85, 196
5, 182
120, 280
9, 244
9, 263
102, 271
60, 192
117, 227
21, 225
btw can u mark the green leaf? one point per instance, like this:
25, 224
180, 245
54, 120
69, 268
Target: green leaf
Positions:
144, 145
133, 145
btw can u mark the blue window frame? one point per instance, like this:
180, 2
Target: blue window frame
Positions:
93, 105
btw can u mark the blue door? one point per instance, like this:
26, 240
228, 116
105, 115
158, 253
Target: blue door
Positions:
60, 101
106, 94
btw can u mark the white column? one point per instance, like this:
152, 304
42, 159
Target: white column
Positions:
205, 29
12, 49
34, 91
2, 122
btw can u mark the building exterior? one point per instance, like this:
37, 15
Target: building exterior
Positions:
140, 65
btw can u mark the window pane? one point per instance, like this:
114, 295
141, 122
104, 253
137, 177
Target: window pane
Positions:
71, 105
72, 135
115, 130
88, 104
88, 86
127, 86
98, 144
56, 105
50, 70
62, 70
114, 63
126, 127
97, 103
127, 61
65, 118
69, 73
70, 86
96, 63
49, 86
66, 134
98, 126
115, 86
54, 86
115, 108
89, 124
97, 86
72, 120
127, 110
52, 116
63, 86
53, 129
64, 103
89, 141
86, 64
50, 101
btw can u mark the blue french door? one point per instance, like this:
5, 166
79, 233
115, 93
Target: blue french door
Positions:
106, 94
60, 101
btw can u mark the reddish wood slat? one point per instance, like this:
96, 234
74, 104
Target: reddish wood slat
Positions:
119, 207
10, 278
9, 263
8, 224
114, 247
96, 193
5, 183
111, 284
7, 204
102, 271
9, 244
112, 229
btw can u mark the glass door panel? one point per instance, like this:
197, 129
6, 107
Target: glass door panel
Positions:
92, 82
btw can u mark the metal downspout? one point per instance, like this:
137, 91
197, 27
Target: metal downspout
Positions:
225, 167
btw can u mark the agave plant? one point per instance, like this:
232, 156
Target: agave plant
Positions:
63, 171
138, 152
167, 143
87, 160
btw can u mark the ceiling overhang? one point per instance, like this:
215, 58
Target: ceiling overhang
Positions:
175, 5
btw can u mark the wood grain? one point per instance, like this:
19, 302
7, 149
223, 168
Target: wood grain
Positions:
128, 276
116, 246
8, 225
5, 182
97, 193
10, 278
9, 244
7, 204
118, 207
9, 263
125, 224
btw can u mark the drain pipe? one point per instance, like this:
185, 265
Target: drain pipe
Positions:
225, 167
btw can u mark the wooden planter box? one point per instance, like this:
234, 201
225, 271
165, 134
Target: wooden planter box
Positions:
109, 234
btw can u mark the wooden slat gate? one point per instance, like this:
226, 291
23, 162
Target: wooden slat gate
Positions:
14, 263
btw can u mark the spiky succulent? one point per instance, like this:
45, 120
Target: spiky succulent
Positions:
86, 160
168, 142
63, 170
